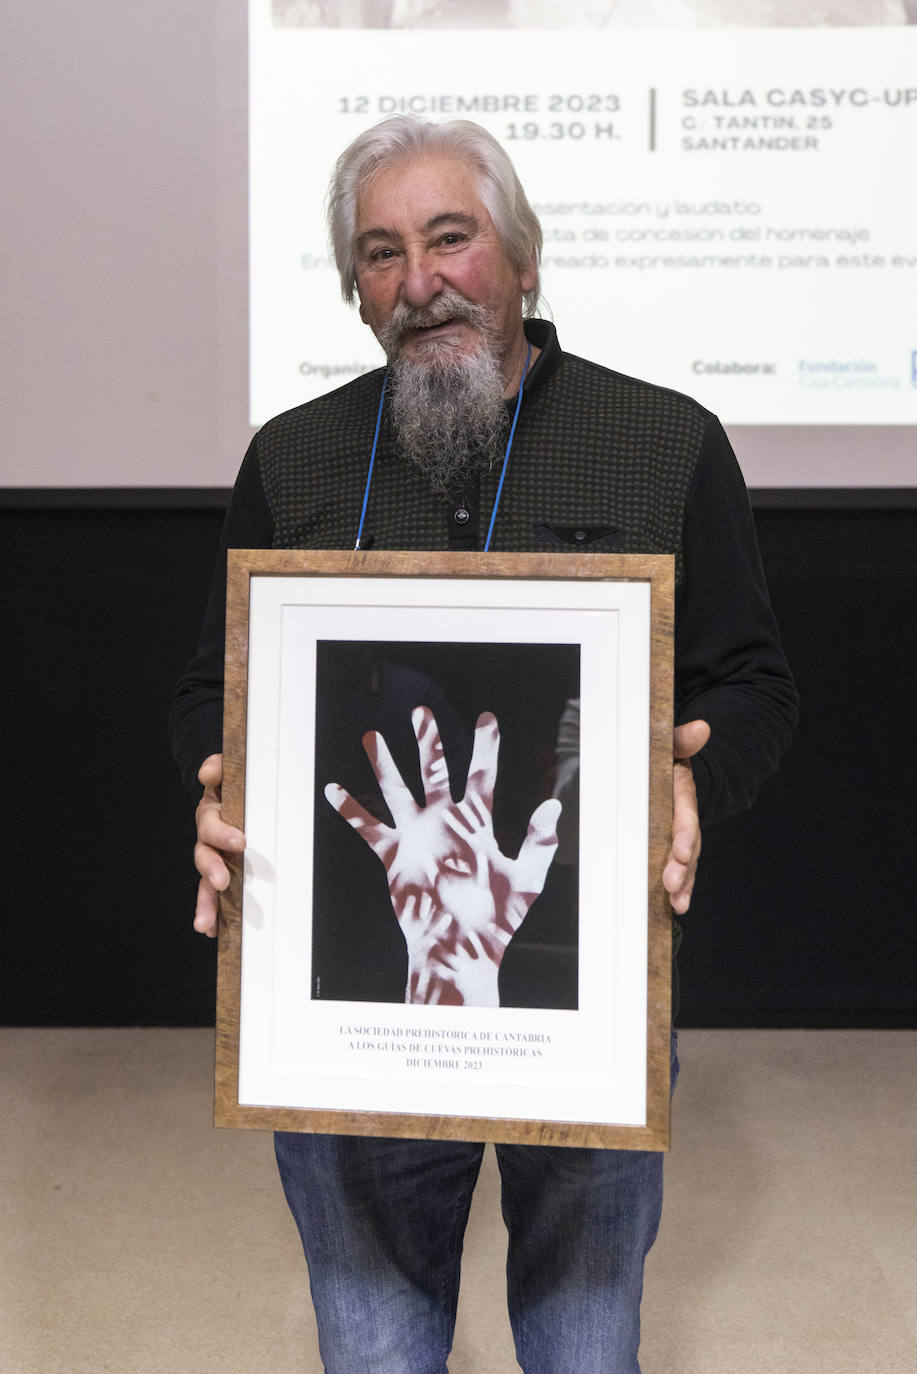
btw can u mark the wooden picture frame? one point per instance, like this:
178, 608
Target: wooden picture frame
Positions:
351, 997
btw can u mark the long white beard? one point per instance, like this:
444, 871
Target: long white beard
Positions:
446, 407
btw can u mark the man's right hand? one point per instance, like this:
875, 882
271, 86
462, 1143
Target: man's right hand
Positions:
214, 839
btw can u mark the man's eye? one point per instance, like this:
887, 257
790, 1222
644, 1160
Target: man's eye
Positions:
450, 240
382, 254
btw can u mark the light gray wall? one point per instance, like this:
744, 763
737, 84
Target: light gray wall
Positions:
123, 220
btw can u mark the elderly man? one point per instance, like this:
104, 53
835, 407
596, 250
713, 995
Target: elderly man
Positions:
482, 433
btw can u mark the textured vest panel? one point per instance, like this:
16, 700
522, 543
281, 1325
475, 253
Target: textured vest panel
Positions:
600, 461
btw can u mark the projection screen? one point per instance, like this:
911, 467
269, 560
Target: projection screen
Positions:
725, 209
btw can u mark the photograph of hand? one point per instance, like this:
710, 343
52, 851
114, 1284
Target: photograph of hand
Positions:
457, 898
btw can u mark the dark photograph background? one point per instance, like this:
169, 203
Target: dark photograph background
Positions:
804, 908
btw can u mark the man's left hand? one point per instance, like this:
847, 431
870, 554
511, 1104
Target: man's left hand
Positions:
681, 864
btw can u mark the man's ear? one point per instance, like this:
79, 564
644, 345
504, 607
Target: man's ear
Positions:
362, 313
529, 274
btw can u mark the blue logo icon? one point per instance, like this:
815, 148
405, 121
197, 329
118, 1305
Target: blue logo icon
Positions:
914, 367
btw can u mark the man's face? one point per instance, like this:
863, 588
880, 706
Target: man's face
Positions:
423, 233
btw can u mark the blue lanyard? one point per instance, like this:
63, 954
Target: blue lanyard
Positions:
493, 513
509, 444
372, 459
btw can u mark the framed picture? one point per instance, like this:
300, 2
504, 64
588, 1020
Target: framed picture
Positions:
454, 772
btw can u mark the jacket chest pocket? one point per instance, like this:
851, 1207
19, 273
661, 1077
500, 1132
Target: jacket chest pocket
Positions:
595, 538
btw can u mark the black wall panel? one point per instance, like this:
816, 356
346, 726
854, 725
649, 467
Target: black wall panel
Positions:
805, 907
804, 914
100, 610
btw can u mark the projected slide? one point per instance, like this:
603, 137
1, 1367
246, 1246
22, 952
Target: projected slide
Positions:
727, 211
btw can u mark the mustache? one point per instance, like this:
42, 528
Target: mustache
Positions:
449, 305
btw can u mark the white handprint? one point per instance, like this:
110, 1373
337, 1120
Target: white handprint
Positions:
457, 898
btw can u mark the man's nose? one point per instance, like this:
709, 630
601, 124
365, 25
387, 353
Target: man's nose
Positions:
422, 280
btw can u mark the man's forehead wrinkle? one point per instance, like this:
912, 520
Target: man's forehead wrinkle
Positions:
452, 217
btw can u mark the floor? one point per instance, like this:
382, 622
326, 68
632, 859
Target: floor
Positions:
136, 1239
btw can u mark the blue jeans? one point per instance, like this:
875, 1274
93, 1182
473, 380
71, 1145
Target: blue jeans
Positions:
382, 1223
